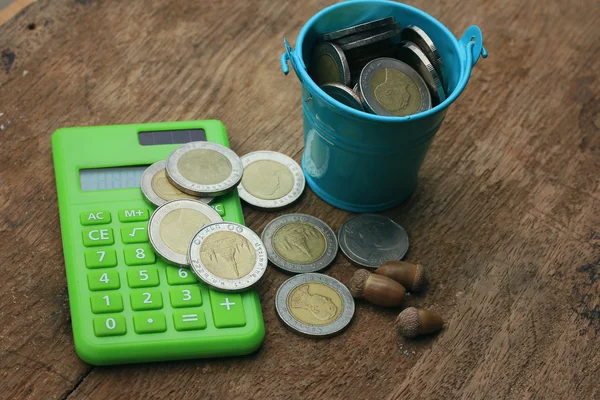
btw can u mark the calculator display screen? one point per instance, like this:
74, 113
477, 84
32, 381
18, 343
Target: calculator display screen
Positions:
151, 138
111, 178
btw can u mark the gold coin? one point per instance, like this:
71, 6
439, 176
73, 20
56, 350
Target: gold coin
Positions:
395, 91
315, 304
204, 166
228, 255
163, 188
267, 180
299, 243
179, 226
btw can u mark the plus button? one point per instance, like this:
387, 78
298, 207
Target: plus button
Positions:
227, 303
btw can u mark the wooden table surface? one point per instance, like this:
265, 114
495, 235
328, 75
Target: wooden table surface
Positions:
506, 216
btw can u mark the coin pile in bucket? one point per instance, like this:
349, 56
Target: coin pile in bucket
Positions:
380, 68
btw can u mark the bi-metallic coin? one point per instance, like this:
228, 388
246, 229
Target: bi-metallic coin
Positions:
173, 225
329, 64
204, 169
378, 37
158, 190
271, 180
372, 239
358, 28
300, 243
391, 87
417, 36
367, 34
344, 95
314, 305
227, 256
411, 54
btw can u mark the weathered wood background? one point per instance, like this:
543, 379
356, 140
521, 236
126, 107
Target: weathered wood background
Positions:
507, 214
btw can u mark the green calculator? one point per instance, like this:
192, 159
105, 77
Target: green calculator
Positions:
127, 305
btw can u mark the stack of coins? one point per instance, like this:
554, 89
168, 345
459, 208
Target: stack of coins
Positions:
380, 68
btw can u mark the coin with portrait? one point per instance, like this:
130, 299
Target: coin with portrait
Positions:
300, 243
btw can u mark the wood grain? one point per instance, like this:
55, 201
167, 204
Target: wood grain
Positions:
506, 215
12, 9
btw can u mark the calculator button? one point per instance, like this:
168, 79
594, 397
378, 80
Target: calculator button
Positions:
146, 300
134, 233
133, 215
139, 255
103, 280
106, 302
149, 322
100, 258
180, 276
110, 325
142, 277
227, 309
189, 320
97, 237
219, 208
187, 296
97, 217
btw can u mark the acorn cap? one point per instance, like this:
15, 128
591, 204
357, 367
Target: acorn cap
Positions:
421, 279
408, 322
358, 281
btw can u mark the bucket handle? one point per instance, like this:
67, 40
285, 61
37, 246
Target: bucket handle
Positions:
289, 56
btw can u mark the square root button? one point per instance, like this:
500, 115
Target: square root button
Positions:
227, 309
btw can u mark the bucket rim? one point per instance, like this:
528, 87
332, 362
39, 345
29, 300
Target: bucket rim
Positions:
465, 57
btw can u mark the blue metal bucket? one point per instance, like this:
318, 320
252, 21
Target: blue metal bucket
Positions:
363, 162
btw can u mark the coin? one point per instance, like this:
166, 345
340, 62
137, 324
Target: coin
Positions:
417, 36
271, 180
343, 94
372, 239
314, 305
366, 34
357, 28
413, 56
300, 243
370, 40
173, 225
204, 169
329, 64
158, 190
227, 256
391, 87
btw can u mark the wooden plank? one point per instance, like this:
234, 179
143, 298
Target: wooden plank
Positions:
13, 9
505, 216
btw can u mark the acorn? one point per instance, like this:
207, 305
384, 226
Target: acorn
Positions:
418, 321
377, 289
413, 277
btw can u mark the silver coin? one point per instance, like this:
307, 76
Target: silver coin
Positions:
411, 54
300, 243
391, 87
228, 256
173, 225
329, 64
158, 190
367, 34
344, 95
314, 305
372, 239
357, 28
417, 36
370, 40
271, 180
204, 169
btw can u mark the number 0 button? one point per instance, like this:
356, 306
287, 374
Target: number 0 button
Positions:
110, 325
139, 255
142, 277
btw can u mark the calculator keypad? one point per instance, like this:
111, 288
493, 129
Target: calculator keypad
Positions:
180, 307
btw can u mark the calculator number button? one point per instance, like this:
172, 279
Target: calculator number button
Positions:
186, 296
106, 302
146, 300
189, 320
134, 234
180, 276
97, 237
100, 258
133, 215
149, 322
110, 325
139, 255
103, 280
142, 277
227, 309
98, 217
